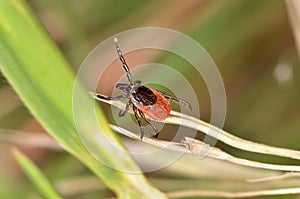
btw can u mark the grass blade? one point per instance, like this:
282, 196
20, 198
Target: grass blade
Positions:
35, 175
44, 81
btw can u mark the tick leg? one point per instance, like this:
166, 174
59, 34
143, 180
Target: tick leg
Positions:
99, 96
124, 112
122, 59
181, 101
123, 87
135, 111
149, 122
121, 113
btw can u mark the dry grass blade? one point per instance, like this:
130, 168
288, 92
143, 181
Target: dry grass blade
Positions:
293, 7
199, 148
272, 178
223, 194
221, 135
29, 139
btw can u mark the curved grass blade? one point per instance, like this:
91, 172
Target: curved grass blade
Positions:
35, 175
44, 81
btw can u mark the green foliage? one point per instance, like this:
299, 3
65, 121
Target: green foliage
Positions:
44, 81
36, 176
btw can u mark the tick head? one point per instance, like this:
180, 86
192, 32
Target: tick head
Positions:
144, 96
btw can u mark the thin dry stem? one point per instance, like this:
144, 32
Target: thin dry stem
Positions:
28, 139
221, 135
224, 194
293, 7
272, 178
199, 148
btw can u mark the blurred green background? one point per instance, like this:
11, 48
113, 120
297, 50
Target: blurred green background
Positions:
251, 42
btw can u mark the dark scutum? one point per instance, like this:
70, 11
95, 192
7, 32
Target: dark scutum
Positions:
144, 95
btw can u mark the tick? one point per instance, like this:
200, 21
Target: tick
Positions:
144, 100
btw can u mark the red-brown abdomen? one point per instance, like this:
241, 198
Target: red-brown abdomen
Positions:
158, 111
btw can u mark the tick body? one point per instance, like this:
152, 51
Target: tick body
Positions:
144, 100
151, 102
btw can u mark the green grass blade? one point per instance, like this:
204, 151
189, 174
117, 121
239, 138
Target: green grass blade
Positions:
36, 176
44, 81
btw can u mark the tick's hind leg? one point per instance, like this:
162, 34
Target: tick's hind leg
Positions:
149, 122
135, 111
181, 101
125, 111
